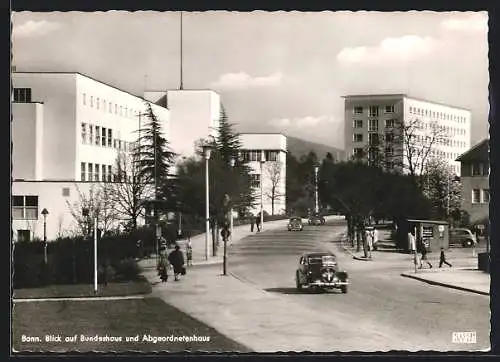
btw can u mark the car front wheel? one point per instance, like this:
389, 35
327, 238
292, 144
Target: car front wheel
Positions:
343, 288
468, 243
297, 282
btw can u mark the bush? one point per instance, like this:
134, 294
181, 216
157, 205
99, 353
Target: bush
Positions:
127, 269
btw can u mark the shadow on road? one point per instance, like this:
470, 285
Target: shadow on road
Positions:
290, 291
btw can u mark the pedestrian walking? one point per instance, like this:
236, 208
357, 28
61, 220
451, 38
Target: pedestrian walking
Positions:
257, 222
163, 267
189, 253
375, 239
176, 259
442, 259
423, 251
252, 223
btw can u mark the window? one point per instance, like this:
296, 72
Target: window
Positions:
110, 137
84, 99
103, 172
254, 155
91, 134
97, 103
110, 107
373, 139
389, 123
103, 137
357, 123
25, 207
389, 109
119, 144
110, 173
116, 108
22, 95
358, 152
91, 101
91, 172
475, 171
486, 196
120, 110
255, 180
358, 110
271, 155
65, 191
97, 173
373, 125
373, 111
84, 133
97, 135
83, 172
23, 235
476, 196
104, 104
357, 137
389, 137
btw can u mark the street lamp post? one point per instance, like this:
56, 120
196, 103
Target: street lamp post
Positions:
207, 148
232, 162
45, 212
316, 207
262, 161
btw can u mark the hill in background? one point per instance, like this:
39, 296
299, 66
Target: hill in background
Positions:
299, 147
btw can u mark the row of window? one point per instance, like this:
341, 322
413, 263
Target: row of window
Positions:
102, 136
256, 155
437, 115
373, 124
109, 107
389, 150
25, 207
433, 125
480, 196
479, 169
95, 172
22, 95
373, 111
255, 180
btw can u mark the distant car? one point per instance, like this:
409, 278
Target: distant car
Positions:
462, 236
320, 270
316, 219
295, 224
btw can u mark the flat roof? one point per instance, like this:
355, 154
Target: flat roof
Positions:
404, 95
95, 80
440, 222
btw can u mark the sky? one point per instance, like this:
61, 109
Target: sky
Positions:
275, 71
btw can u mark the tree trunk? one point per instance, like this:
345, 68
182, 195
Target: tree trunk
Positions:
358, 239
272, 205
365, 241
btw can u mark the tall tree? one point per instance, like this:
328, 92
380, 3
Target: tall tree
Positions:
274, 172
153, 156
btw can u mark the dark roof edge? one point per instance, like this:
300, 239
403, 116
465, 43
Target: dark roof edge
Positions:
472, 149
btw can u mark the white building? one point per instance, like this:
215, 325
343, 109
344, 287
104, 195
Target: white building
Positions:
266, 153
370, 118
67, 132
194, 114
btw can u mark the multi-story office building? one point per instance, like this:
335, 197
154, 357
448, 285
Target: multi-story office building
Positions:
192, 113
67, 132
403, 127
474, 174
266, 153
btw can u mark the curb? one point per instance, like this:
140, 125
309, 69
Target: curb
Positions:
432, 282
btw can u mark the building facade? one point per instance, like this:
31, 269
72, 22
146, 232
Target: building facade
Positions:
402, 128
193, 113
266, 155
474, 174
67, 132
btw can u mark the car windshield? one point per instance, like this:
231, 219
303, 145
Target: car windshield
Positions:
295, 220
460, 232
323, 259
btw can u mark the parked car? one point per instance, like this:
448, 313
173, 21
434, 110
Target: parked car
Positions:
295, 224
316, 219
462, 236
320, 271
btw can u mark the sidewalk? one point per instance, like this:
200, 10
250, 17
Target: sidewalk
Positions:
464, 274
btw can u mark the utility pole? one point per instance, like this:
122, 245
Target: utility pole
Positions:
181, 87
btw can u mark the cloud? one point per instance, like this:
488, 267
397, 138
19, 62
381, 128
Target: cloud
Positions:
308, 121
472, 23
403, 48
242, 80
34, 28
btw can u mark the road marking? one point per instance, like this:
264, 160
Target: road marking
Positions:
464, 337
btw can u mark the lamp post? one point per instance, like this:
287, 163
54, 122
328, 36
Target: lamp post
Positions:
45, 212
207, 148
232, 163
262, 161
316, 207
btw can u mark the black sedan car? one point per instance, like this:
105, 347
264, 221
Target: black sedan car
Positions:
320, 271
295, 224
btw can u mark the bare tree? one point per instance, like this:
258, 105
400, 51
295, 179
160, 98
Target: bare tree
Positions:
99, 205
274, 171
415, 142
129, 189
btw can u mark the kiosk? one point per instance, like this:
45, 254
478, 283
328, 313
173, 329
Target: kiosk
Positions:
435, 233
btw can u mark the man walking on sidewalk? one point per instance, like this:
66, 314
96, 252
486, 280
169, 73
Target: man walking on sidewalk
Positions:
257, 222
252, 222
423, 251
442, 259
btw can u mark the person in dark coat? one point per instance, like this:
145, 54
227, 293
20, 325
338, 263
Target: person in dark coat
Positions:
257, 222
176, 258
442, 259
423, 251
252, 223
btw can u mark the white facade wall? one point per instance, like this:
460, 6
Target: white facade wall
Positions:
194, 115
456, 120
273, 147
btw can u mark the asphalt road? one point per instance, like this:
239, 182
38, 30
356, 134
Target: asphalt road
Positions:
379, 300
